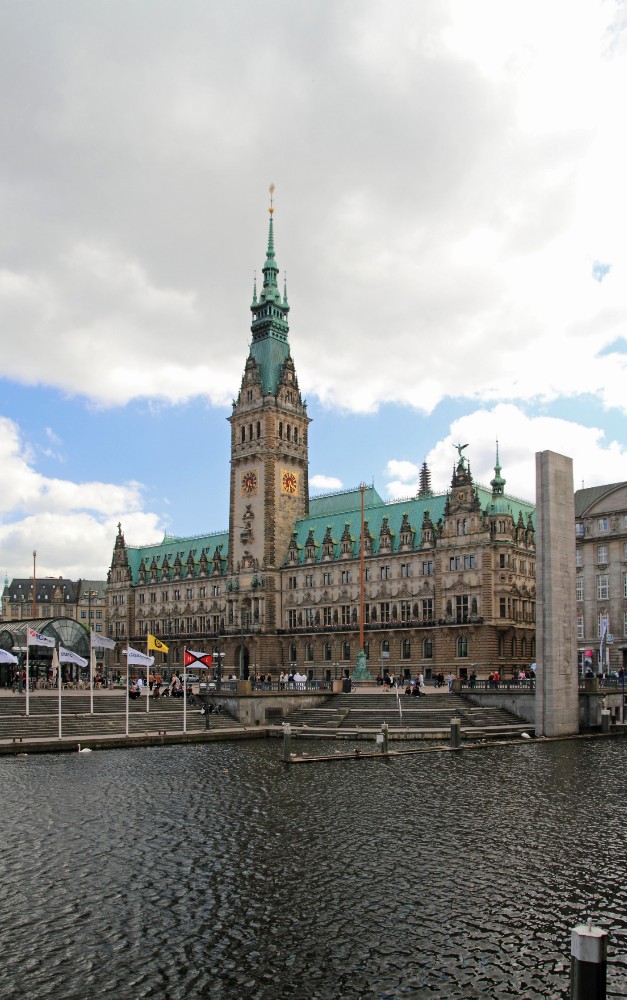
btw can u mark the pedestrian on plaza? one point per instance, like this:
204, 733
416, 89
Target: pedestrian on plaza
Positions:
151, 680
449, 681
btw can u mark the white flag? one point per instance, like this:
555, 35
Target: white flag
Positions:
67, 656
37, 639
6, 657
137, 659
101, 641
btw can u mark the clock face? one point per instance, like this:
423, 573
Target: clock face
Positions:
250, 483
461, 495
289, 482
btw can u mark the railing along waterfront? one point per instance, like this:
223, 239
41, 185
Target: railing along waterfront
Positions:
500, 685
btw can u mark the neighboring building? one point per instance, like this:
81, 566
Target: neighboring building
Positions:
601, 559
449, 576
83, 600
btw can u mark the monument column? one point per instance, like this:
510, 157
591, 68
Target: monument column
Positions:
557, 680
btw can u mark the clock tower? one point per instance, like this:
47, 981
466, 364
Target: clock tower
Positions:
269, 457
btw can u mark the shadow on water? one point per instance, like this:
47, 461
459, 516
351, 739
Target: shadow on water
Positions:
218, 871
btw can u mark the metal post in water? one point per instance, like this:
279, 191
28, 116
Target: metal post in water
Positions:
456, 734
384, 731
287, 742
588, 963
605, 720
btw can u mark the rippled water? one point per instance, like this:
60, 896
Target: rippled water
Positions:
217, 871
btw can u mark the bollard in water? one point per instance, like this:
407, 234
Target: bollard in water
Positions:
588, 963
384, 732
287, 741
605, 720
456, 734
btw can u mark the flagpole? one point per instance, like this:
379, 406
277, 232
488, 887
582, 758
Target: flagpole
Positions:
27, 674
59, 685
128, 698
184, 689
92, 656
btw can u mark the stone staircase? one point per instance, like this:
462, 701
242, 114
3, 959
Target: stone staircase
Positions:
346, 714
109, 718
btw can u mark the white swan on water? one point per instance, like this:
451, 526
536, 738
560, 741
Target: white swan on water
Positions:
84, 750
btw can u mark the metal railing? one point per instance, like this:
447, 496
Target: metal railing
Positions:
511, 684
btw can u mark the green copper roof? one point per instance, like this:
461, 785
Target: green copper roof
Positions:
171, 548
270, 347
333, 513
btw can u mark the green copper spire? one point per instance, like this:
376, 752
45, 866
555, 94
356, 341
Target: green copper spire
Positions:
269, 327
498, 483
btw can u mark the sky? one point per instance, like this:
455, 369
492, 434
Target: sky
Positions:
450, 210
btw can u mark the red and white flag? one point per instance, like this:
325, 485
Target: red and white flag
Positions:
37, 639
200, 660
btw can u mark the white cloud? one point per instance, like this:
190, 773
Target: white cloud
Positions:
324, 483
71, 525
595, 459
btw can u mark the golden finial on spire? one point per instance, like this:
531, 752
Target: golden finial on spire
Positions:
271, 198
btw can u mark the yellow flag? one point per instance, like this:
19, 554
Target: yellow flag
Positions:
154, 643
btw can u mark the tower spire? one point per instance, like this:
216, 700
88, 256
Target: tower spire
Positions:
498, 483
269, 327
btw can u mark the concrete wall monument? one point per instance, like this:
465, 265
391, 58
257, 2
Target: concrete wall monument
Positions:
557, 683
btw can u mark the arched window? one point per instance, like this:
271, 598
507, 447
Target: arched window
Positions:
499, 650
309, 652
258, 429
427, 649
514, 646
296, 435
287, 432
385, 645
250, 432
327, 651
243, 435
462, 646
405, 649
292, 652
346, 650
280, 430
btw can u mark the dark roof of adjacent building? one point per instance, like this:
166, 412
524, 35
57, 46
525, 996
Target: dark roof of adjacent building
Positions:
585, 499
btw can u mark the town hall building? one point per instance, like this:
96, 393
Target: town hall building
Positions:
448, 576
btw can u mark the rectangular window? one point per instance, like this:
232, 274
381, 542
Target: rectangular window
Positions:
189, 593
153, 598
602, 554
600, 624
427, 568
98, 614
603, 588
177, 595
502, 560
309, 616
327, 579
346, 614
384, 572
366, 614
309, 579
98, 628
427, 608
624, 584
578, 557
142, 598
602, 524
580, 626
326, 616
625, 625
455, 562
405, 611
164, 595
469, 562
291, 583
291, 619
216, 589
346, 576
461, 607
502, 607
579, 588
405, 569
384, 612
202, 592
579, 529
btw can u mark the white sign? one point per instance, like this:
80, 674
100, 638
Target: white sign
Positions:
609, 638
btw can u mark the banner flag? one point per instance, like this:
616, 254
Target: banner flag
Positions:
37, 639
6, 657
67, 656
154, 643
200, 660
101, 641
136, 659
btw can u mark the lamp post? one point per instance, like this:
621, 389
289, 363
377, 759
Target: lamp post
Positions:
218, 654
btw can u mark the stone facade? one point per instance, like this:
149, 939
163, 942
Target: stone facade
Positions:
449, 581
601, 577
